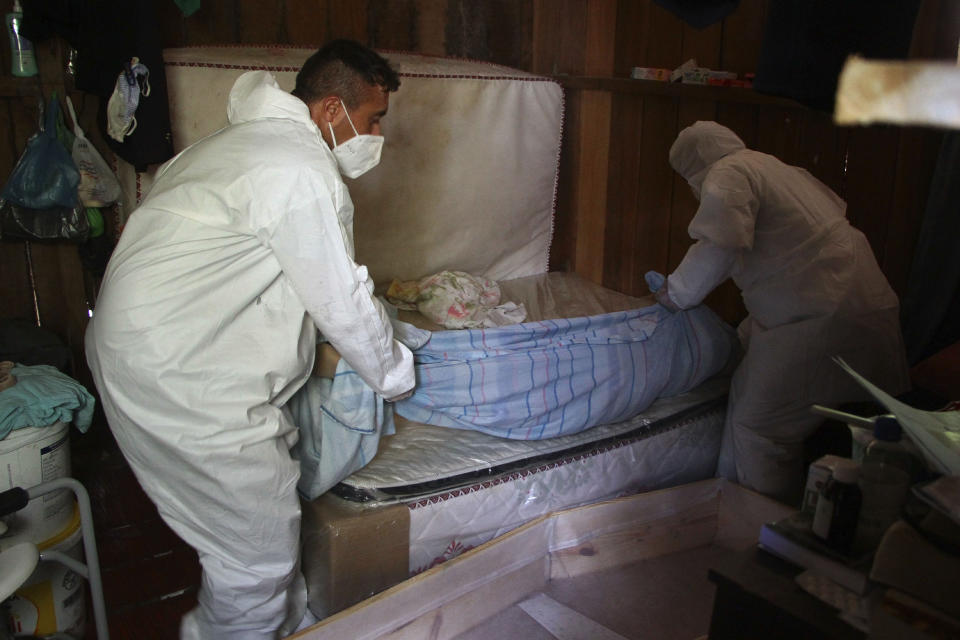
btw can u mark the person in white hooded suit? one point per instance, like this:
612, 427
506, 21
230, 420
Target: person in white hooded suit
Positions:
207, 320
811, 286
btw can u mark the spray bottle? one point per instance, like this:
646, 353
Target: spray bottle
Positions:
23, 61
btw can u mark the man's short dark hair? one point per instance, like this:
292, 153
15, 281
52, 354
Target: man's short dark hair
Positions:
341, 68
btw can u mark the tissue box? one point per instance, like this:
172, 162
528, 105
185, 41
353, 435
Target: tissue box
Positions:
650, 73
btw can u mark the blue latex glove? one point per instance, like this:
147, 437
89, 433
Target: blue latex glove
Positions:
658, 286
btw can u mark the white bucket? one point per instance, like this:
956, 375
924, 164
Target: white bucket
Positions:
53, 599
28, 457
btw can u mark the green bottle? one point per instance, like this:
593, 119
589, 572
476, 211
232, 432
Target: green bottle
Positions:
23, 61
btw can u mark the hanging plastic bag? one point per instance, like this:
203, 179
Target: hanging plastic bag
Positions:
98, 184
55, 223
45, 175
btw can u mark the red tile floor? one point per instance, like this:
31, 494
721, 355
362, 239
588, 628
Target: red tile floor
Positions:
150, 576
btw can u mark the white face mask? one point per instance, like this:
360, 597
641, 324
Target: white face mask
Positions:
359, 154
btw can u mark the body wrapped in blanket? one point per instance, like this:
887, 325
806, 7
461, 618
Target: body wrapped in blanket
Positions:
543, 378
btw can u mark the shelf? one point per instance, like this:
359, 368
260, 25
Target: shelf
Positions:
676, 90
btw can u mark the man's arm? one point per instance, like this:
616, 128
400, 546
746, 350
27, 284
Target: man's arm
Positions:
701, 271
338, 293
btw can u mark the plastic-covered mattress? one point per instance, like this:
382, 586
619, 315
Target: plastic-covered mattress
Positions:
558, 375
464, 487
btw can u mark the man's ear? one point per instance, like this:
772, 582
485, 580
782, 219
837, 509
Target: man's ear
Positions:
326, 110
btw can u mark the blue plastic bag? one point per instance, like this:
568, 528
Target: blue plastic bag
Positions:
45, 176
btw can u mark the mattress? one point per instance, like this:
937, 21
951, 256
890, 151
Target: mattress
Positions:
464, 488
492, 131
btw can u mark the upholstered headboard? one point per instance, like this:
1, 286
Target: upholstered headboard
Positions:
468, 174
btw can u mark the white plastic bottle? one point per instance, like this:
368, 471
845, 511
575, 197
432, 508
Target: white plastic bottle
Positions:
23, 61
887, 473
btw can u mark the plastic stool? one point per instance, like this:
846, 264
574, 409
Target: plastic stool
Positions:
19, 561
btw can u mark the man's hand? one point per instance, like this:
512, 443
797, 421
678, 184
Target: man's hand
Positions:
325, 365
664, 298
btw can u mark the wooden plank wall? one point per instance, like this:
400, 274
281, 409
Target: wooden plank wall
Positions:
621, 211
42, 283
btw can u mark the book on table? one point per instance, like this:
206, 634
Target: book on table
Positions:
792, 539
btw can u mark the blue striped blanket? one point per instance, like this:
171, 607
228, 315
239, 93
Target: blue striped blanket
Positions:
556, 377
528, 381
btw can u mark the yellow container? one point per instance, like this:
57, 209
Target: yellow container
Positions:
53, 599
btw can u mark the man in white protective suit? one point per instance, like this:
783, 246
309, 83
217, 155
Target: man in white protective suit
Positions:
811, 286
207, 318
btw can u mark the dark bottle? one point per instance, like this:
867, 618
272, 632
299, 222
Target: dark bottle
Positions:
838, 508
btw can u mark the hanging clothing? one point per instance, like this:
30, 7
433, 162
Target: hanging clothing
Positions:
812, 288
700, 13
206, 325
107, 35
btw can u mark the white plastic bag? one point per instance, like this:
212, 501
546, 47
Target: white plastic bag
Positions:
99, 186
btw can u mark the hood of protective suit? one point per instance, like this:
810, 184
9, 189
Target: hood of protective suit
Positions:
257, 95
700, 145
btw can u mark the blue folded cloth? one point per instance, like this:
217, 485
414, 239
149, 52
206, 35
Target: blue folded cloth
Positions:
42, 396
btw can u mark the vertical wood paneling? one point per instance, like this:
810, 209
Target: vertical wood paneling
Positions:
652, 232
50, 288
8, 145
170, 21
559, 39
349, 19
214, 23
741, 119
261, 22
601, 29
307, 22
778, 133
15, 283
24, 116
620, 261
702, 45
591, 201
431, 26
871, 172
743, 37
72, 306
822, 148
633, 25
664, 39
50, 60
392, 24
510, 33
594, 134
464, 33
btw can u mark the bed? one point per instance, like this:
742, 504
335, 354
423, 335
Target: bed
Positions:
440, 202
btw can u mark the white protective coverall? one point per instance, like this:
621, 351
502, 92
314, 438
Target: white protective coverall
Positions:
812, 288
206, 325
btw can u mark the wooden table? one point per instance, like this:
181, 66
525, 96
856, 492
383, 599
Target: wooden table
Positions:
758, 598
